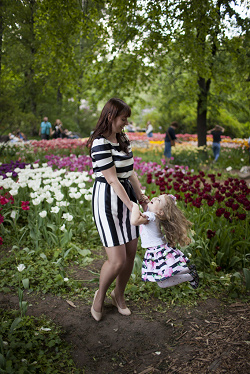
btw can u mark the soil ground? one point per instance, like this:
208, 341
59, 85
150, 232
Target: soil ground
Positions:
211, 337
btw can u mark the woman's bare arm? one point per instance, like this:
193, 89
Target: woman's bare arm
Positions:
137, 217
143, 200
111, 177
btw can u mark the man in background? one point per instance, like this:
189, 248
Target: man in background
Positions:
45, 130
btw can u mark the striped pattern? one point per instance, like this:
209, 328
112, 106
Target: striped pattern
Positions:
163, 262
106, 154
112, 217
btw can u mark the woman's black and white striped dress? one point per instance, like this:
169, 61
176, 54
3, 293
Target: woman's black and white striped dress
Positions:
112, 217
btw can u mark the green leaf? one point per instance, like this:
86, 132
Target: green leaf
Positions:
33, 234
67, 252
247, 277
1, 344
14, 324
53, 237
43, 256
52, 227
65, 239
234, 261
219, 257
2, 362
26, 283
24, 306
83, 252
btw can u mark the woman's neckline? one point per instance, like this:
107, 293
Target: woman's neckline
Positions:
110, 140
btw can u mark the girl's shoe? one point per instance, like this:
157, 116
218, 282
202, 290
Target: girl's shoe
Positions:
96, 315
192, 268
124, 312
195, 281
193, 272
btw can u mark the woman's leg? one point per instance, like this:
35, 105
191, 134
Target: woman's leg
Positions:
110, 269
167, 152
217, 152
124, 274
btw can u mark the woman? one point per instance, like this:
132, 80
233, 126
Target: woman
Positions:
58, 129
170, 137
217, 131
149, 130
115, 189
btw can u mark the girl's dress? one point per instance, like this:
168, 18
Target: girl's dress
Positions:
160, 261
112, 217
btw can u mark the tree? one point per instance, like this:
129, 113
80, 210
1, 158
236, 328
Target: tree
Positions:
47, 49
195, 30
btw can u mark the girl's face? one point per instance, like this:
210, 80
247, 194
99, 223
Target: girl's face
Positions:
157, 204
119, 123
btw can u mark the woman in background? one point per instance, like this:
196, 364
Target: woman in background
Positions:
217, 131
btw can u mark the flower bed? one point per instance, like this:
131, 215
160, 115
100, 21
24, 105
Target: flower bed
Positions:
46, 200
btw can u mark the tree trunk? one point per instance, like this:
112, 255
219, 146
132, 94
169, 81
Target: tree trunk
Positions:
1, 36
204, 87
33, 103
59, 99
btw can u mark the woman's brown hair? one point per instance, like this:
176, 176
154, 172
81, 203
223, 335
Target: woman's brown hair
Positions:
112, 109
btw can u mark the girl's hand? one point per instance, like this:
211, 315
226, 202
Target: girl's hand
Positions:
145, 218
137, 217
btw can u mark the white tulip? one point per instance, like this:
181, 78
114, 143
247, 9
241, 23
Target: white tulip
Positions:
21, 267
55, 209
13, 192
13, 214
43, 214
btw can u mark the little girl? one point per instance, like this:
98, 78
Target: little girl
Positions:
163, 263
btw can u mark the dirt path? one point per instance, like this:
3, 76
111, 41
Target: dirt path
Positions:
209, 338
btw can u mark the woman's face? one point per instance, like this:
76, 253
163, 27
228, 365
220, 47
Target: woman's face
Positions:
119, 123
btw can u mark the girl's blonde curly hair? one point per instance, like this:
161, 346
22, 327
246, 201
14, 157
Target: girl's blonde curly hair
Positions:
173, 223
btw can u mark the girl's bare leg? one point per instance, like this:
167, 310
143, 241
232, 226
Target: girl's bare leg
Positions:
110, 270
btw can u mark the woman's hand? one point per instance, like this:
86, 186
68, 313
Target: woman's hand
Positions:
143, 201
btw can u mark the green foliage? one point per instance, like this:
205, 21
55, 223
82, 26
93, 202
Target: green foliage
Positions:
149, 52
30, 345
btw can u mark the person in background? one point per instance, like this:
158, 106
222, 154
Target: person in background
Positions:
58, 129
216, 132
21, 135
13, 138
70, 135
115, 188
130, 127
45, 130
149, 130
170, 139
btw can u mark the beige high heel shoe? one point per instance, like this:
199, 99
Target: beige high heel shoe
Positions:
96, 315
124, 312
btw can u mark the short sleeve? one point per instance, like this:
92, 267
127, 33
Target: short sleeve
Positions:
101, 155
150, 215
